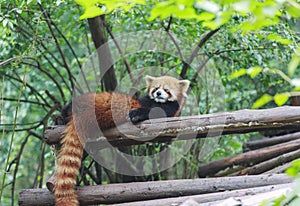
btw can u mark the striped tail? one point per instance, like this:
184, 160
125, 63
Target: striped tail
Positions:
68, 164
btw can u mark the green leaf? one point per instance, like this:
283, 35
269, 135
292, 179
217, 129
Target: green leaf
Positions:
294, 63
281, 99
209, 6
294, 169
186, 13
277, 38
238, 73
266, 98
161, 10
293, 11
210, 24
254, 71
241, 6
87, 4
205, 16
91, 12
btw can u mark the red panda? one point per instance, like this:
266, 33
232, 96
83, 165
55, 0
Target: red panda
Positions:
166, 93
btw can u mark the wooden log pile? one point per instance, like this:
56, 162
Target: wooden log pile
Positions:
270, 155
170, 192
252, 175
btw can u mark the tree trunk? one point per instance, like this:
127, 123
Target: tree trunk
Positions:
107, 72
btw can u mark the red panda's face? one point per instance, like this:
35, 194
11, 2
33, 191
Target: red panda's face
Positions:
166, 88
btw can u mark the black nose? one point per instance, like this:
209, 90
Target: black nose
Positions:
158, 93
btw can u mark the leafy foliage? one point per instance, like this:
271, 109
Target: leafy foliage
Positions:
253, 46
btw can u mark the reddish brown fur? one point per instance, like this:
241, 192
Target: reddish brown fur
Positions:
109, 109
104, 110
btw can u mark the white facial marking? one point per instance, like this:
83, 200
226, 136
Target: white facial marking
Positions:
160, 96
150, 93
173, 96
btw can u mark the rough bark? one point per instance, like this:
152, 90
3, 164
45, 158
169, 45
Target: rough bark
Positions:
118, 193
108, 75
189, 127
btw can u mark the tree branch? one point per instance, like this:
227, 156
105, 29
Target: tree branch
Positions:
108, 75
57, 44
195, 52
189, 127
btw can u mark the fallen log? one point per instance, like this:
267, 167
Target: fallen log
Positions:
175, 201
257, 144
270, 164
248, 158
189, 127
140, 191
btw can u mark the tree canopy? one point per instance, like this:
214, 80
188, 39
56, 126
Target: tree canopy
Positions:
237, 53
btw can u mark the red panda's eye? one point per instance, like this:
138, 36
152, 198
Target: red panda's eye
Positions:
168, 92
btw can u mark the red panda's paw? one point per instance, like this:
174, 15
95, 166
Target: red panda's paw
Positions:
138, 115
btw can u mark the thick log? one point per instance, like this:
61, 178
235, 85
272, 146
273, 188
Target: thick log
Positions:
248, 158
256, 144
118, 193
270, 164
189, 127
175, 201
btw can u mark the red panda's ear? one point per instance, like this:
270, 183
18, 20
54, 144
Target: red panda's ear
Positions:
184, 84
149, 80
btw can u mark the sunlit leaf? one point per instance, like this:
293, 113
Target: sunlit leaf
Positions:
281, 99
161, 10
270, 10
205, 16
294, 63
209, 6
254, 71
294, 169
238, 73
266, 98
277, 38
241, 6
293, 11
87, 4
210, 24
92, 12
